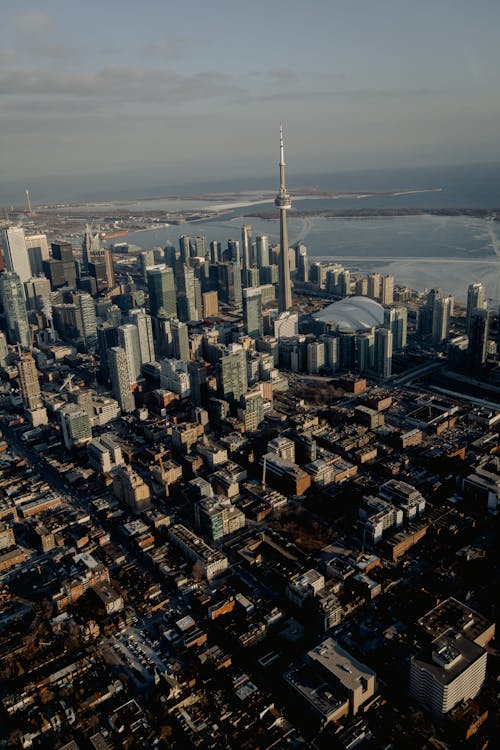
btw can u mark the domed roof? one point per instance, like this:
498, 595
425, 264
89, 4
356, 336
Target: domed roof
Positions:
353, 314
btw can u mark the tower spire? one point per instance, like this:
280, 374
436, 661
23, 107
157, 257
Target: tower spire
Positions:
283, 202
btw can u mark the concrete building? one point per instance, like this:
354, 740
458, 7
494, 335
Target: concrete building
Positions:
448, 672
75, 425
216, 517
105, 454
211, 562
129, 487
121, 381
331, 682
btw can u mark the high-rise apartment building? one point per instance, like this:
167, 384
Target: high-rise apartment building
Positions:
441, 316
476, 300
262, 250
246, 244
387, 290
396, 320
374, 285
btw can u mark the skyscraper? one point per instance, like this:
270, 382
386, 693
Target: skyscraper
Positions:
387, 291
441, 315
38, 251
120, 379
142, 321
478, 339
14, 306
396, 320
283, 202
252, 312
15, 252
128, 338
232, 377
246, 243
107, 337
262, 246
161, 288
383, 352
476, 299
30, 385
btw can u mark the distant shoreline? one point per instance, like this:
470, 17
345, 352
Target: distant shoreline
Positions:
360, 213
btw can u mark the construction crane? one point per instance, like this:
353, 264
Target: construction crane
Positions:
67, 383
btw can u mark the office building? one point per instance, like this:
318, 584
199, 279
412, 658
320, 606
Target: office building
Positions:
286, 325
284, 203
121, 380
210, 304
142, 321
14, 307
451, 670
38, 251
179, 340
62, 254
476, 300
232, 379
75, 423
185, 248
29, 381
215, 252
186, 300
38, 294
75, 319
252, 312
107, 337
383, 352
15, 252
161, 288
478, 331
131, 489
128, 340
229, 278
216, 517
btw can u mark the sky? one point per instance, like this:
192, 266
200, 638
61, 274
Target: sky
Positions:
198, 88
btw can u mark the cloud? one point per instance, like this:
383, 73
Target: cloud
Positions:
33, 22
118, 84
167, 49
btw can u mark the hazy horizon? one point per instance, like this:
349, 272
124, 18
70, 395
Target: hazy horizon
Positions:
200, 89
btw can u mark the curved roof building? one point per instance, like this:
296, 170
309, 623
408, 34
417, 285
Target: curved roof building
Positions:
352, 314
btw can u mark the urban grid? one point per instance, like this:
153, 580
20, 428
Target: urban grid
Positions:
246, 501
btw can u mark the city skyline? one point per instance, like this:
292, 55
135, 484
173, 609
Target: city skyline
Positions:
365, 87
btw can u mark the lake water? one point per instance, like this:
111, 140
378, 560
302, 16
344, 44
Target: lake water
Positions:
421, 251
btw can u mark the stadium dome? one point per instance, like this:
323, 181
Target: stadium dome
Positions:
352, 314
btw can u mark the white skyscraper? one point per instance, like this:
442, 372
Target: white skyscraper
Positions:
120, 378
128, 338
15, 252
142, 321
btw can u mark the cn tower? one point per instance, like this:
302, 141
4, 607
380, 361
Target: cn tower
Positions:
283, 202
